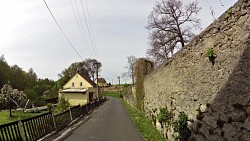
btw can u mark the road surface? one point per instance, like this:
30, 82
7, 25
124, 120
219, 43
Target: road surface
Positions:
110, 123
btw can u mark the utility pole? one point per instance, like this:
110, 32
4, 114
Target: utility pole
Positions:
119, 85
97, 83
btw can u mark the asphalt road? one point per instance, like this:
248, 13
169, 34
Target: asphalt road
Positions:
110, 123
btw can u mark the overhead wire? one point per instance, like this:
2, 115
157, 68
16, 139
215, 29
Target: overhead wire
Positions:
91, 29
86, 22
84, 38
62, 30
79, 15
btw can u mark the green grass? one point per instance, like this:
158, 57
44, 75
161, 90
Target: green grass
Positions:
113, 94
17, 115
143, 124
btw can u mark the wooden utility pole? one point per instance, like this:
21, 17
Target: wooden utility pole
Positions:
97, 83
119, 84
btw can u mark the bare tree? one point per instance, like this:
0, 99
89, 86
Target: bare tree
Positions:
170, 24
130, 68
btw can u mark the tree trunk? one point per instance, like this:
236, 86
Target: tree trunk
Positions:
133, 78
10, 108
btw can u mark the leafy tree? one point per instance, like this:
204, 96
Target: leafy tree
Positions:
63, 104
4, 71
28, 82
90, 65
84, 68
130, 68
170, 24
11, 96
31, 78
71, 70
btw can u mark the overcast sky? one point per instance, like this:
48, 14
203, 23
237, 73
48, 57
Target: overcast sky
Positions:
30, 38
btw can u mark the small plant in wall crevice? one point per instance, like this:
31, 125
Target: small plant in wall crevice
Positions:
180, 127
164, 116
229, 12
211, 55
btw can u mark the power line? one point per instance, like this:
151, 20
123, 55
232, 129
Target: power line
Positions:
91, 25
78, 25
62, 31
88, 27
79, 15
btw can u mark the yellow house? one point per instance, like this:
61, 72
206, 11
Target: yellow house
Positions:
101, 82
79, 90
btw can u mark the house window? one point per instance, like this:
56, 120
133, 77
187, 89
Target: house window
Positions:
80, 83
73, 84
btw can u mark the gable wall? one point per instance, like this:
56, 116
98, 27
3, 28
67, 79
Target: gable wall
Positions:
76, 80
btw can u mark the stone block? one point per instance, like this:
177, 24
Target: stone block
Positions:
203, 108
210, 120
247, 124
248, 110
245, 137
229, 131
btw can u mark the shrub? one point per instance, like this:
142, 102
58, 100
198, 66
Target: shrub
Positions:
50, 106
163, 116
180, 127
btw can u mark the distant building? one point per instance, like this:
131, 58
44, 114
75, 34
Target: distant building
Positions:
101, 82
79, 90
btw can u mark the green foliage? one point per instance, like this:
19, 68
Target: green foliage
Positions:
28, 82
180, 127
164, 116
17, 115
112, 94
63, 105
84, 68
229, 12
142, 68
35, 111
143, 124
4, 71
50, 106
126, 90
153, 119
8, 94
210, 53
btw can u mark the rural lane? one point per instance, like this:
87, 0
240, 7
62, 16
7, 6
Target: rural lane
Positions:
110, 123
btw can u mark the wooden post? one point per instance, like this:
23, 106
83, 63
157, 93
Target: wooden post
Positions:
97, 83
119, 85
20, 126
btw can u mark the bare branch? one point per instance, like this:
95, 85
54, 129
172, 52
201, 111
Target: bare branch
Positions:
170, 24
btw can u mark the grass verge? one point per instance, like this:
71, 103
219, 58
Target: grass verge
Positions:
143, 124
113, 94
17, 115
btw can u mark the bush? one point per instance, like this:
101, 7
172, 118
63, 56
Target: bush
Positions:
163, 116
63, 104
180, 127
50, 106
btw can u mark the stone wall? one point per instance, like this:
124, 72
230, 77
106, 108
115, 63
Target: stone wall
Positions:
216, 97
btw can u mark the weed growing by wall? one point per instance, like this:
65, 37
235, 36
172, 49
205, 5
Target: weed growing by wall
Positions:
180, 127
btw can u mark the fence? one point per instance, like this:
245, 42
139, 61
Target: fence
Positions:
10, 132
36, 127
39, 126
62, 120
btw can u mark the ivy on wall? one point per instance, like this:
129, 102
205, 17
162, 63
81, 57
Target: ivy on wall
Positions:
142, 68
